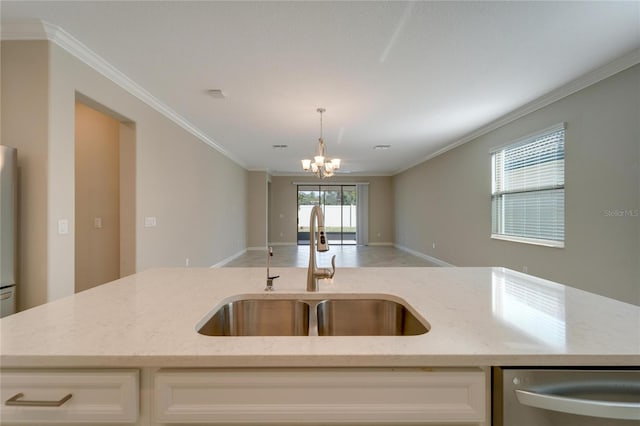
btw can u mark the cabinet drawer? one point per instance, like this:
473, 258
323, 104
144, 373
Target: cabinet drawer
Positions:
391, 396
42, 396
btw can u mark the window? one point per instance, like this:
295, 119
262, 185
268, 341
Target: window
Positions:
527, 192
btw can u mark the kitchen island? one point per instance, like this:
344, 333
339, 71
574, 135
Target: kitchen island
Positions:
477, 318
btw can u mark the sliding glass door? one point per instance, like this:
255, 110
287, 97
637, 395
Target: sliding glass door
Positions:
338, 204
308, 196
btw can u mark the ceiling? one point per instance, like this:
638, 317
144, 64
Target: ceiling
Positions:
419, 76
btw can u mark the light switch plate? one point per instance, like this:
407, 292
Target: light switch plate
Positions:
63, 226
149, 222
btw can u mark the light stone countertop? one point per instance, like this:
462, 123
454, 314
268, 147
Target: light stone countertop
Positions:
478, 317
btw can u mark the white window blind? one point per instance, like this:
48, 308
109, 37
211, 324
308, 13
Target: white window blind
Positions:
527, 194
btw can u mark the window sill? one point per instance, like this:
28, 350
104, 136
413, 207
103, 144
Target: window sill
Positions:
534, 241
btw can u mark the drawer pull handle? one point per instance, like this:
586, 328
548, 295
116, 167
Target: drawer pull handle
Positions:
16, 401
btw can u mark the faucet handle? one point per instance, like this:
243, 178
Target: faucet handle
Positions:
326, 273
270, 278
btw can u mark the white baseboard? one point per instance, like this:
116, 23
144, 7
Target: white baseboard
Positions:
257, 248
229, 259
283, 244
424, 256
381, 244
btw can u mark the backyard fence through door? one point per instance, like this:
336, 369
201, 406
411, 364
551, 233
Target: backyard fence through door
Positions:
339, 206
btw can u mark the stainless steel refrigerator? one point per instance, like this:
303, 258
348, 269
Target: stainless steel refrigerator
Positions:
8, 229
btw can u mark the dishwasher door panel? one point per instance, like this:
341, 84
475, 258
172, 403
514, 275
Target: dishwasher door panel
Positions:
604, 397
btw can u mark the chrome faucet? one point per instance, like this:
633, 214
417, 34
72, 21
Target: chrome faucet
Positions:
270, 278
314, 273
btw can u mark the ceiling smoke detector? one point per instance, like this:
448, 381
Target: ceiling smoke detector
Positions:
216, 93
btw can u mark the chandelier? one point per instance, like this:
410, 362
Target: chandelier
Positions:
322, 166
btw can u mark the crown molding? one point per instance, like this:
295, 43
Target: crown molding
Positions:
588, 79
41, 30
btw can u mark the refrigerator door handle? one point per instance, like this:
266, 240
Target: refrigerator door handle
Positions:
5, 295
586, 407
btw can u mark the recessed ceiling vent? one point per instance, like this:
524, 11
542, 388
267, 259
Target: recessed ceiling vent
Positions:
381, 147
216, 93
280, 146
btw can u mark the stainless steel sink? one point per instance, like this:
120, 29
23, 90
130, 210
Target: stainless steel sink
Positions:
366, 317
309, 316
259, 317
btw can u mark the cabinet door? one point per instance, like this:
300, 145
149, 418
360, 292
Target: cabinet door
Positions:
69, 396
320, 395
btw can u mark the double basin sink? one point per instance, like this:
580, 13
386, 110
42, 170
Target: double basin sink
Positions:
304, 316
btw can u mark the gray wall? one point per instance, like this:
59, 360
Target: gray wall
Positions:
257, 210
283, 207
446, 201
25, 106
198, 196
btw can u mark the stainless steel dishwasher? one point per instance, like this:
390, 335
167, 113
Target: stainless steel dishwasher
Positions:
566, 397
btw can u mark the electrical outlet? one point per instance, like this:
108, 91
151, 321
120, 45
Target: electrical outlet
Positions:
149, 222
186, 262
433, 245
525, 269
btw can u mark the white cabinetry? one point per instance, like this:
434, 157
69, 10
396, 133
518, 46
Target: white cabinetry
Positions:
321, 395
96, 396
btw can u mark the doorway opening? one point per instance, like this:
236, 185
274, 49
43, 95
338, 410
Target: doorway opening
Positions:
104, 195
339, 206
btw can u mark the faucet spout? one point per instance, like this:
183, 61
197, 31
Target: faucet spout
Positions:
270, 278
313, 272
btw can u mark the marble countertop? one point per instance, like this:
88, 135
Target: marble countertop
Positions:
478, 317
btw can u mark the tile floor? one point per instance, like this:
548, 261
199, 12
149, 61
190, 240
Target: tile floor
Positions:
346, 256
